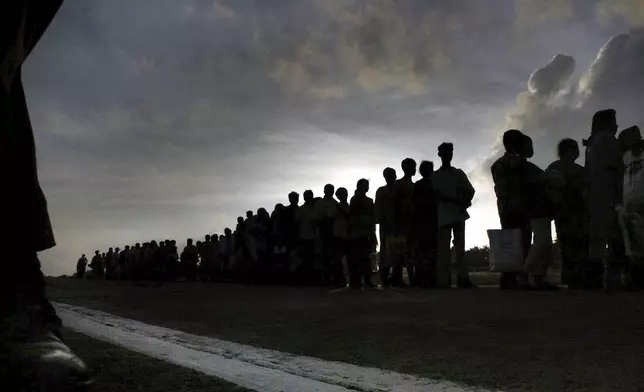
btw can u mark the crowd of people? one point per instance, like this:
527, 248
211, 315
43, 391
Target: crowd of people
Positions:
328, 239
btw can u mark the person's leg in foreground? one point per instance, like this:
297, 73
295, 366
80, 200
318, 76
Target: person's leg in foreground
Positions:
32, 354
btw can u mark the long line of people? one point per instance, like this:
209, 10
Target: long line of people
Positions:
422, 226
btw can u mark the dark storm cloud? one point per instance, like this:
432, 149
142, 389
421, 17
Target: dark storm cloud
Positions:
160, 116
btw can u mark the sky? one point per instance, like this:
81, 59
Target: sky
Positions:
161, 119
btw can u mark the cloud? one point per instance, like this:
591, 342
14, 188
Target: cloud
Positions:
556, 105
630, 10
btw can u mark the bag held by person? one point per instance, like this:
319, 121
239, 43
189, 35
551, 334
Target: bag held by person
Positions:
506, 250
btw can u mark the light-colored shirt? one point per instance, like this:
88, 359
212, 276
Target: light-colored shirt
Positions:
452, 187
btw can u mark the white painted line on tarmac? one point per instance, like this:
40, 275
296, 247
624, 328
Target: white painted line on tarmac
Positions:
253, 368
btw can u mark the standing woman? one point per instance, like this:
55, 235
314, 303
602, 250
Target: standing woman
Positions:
32, 353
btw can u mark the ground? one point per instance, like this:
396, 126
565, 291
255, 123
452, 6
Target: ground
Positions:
516, 341
116, 369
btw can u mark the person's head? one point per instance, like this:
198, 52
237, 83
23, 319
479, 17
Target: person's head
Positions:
103, 254
279, 206
568, 150
262, 212
189, 241
629, 137
199, 243
605, 121
249, 214
308, 196
207, 238
174, 242
527, 149
96, 252
426, 169
446, 152
294, 198
390, 175
512, 140
409, 167
138, 245
127, 247
362, 187
342, 194
227, 231
329, 189
240, 220
214, 238
83, 255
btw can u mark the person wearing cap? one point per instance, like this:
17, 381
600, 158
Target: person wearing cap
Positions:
605, 168
568, 194
507, 174
454, 194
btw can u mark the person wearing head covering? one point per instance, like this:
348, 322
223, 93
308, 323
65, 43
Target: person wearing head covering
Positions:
605, 167
507, 174
385, 210
454, 194
568, 194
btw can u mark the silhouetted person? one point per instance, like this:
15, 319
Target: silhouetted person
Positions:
304, 219
32, 348
97, 265
605, 167
454, 194
570, 212
362, 235
324, 216
385, 207
189, 259
340, 237
540, 209
633, 148
404, 213
226, 251
81, 266
289, 222
110, 265
507, 173
425, 229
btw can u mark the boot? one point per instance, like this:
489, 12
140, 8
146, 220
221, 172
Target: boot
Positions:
32, 352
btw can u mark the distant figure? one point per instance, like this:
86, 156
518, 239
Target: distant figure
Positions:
540, 209
289, 223
205, 265
634, 198
110, 265
385, 208
189, 259
324, 216
81, 266
570, 212
404, 222
226, 251
425, 228
605, 167
97, 266
363, 236
307, 235
340, 237
454, 194
507, 174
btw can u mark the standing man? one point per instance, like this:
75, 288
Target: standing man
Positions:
31, 350
605, 168
404, 223
363, 236
454, 194
425, 229
386, 219
307, 236
81, 266
508, 177
324, 216
97, 265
